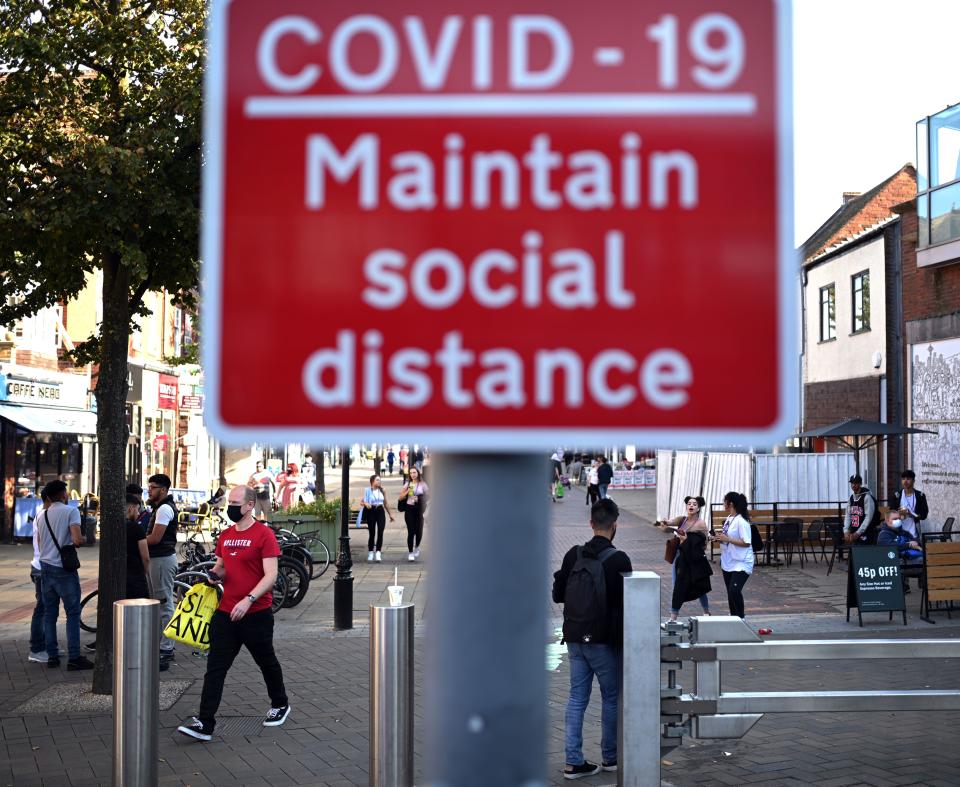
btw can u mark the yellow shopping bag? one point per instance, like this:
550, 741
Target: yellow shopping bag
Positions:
190, 623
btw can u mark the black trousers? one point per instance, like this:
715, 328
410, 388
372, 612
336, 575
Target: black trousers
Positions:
735, 580
137, 586
376, 519
413, 517
255, 632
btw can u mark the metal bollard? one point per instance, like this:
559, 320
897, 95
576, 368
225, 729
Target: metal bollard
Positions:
639, 749
136, 692
391, 695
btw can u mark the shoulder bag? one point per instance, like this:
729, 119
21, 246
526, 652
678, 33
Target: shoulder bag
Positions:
670, 551
68, 554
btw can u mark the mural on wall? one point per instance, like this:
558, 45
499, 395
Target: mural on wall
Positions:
935, 399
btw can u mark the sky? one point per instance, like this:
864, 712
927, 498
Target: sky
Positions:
865, 71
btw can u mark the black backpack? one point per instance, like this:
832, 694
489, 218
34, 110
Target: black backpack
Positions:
585, 599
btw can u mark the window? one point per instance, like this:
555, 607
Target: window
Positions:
938, 177
860, 287
828, 313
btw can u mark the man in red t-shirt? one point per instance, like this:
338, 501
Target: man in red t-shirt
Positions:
247, 568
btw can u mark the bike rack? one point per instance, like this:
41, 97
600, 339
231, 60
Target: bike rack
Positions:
709, 712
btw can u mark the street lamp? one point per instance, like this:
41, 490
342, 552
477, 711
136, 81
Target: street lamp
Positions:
343, 581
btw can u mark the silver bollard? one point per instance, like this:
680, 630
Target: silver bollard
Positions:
391, 695
639, 749
136, 692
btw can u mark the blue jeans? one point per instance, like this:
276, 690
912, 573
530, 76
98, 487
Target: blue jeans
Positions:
603, 496
605, 662
38, 642
59, 585
704, 600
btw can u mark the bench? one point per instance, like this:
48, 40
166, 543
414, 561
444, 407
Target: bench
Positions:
941, 571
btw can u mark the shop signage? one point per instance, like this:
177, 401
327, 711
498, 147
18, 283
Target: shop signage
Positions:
511, 217
874, 582
160, 442
167, 392
32, 391
190, 402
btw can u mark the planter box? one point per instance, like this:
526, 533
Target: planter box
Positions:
329, 532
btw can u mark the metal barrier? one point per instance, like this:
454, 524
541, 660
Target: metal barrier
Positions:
391, 695
710, 712
136, 692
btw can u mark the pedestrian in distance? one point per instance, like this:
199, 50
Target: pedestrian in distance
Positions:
589, 584
413, 503
262, 483
593, 482
246, 568
555, 466
391, 459
404, 453
288, 486
736, 550
59, 527
691, 569
375, 512
38, 646
604, 476
162, 546
861, 522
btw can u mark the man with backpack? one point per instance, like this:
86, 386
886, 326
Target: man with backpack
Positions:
862, 520
589, 584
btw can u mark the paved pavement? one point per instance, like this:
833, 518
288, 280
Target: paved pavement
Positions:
325, 740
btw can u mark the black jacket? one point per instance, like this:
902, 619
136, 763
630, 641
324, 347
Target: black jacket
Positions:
605, 473
612, 569
923, 511
693, 570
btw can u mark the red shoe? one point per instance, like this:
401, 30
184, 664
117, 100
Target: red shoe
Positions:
765, 632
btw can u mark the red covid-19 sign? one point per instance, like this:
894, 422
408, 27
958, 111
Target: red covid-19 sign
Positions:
479, 227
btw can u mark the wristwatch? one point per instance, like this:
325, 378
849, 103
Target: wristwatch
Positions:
252, 598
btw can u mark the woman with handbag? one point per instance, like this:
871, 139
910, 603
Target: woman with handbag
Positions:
686, 551
412, 503
736, 550
374, 505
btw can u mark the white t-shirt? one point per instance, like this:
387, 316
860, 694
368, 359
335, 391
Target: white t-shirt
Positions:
909, 502
733, 557
61, 517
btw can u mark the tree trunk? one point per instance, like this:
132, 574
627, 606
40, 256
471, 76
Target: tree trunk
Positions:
111, 393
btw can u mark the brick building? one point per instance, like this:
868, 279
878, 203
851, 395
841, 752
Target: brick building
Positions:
849, 287
930, 319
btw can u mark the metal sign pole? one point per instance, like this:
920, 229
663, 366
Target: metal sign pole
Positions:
391, 695
486, 695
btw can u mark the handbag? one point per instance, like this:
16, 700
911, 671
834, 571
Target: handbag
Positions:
670, 551
190, 623
69, 559
402, 503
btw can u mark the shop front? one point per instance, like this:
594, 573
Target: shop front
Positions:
47, 432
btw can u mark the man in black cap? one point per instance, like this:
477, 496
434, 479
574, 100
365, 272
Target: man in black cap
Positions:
862, 521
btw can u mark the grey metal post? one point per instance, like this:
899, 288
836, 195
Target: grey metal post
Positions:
391, 695
639, 749
136, 692
486, 697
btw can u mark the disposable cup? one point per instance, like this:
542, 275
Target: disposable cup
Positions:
396, 595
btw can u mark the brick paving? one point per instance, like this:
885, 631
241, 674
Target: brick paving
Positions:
325, 740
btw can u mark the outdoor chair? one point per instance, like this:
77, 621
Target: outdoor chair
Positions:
788, 535
834, 528
815, 539
945, 534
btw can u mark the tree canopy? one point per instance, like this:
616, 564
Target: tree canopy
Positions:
99, 147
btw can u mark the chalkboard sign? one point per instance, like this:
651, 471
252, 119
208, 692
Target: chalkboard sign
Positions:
875, 582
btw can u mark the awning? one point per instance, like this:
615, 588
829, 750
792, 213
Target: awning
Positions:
51, 419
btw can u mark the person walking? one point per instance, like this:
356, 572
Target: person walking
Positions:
593, 483
736, 550
691, 569
554, 477
604, 476
288, 486
374, 505
246, 567
589, 584
412, 503
162, 547
391, 458
404, 453
59, 526
38, 646
262, 483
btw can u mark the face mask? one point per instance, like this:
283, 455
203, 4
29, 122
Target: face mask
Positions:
895, 524
234, 513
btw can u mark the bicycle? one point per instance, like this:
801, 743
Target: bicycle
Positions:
308, 547
88, 606
198, 573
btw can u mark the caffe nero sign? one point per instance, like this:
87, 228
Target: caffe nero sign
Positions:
32, 391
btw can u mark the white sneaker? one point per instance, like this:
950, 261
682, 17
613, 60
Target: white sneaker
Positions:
40, 657
411, 557
369, 557
416, 552
378, 557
